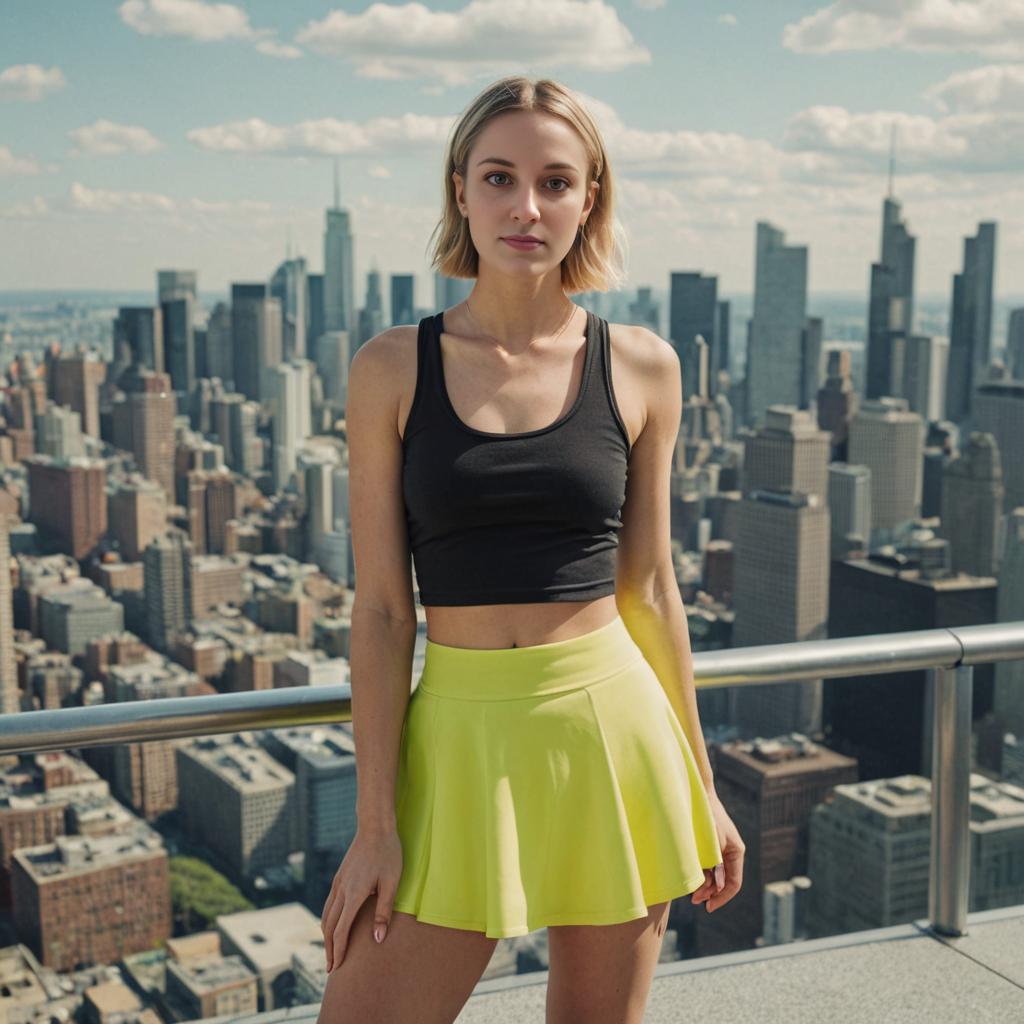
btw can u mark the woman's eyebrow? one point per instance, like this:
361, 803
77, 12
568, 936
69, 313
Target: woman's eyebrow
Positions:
508, 163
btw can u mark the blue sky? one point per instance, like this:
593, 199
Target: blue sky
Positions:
178, 133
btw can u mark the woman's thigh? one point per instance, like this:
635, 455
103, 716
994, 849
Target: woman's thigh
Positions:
420, 974
601, 974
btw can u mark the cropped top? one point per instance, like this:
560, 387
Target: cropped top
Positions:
497, 518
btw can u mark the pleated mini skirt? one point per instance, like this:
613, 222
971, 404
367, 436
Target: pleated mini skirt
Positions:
546, 785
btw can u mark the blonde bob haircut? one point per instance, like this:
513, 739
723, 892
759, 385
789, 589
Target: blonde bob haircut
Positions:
596, 260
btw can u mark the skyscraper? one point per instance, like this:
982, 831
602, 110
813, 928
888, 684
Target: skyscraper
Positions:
1015, 344
849, 502
144, 425
888, 438
172, 284
8, 668
179, 340
999, 410
810, 359
925, 361
315, 302
137, 511
403, 308
219, 357
693, 315
1009, 675
339, 268
58, 432
288, 393
972, 506
837, 401
68, 503
76, 383
891, 304
332, 363
789, 452
256, 336
139, 338
970, 337
775, 343
371, 316
780, 596
721, 354
288, 285
167, 568
883, 719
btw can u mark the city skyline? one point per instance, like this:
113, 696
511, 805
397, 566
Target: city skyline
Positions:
225, 157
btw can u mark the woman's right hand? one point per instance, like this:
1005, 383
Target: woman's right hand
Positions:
372, 864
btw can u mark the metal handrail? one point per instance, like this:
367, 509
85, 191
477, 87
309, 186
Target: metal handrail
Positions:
173, 717
948, 653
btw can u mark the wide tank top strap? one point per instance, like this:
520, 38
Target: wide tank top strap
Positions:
424, 373
599, 371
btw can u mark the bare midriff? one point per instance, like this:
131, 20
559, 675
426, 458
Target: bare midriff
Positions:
489, 626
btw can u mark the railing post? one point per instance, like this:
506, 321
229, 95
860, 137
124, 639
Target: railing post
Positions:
950, 874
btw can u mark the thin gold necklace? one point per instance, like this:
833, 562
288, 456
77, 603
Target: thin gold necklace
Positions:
572, 312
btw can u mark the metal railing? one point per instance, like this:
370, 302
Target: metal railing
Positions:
949, 655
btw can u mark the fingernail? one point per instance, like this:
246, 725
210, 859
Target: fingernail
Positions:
378, 932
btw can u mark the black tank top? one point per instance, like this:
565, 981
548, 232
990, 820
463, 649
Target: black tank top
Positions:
511, 518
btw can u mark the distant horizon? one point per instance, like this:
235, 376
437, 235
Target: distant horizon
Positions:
852, 294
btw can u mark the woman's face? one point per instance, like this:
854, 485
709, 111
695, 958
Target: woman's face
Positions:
508, 189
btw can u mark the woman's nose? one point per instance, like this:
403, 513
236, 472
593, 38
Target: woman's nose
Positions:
526, 205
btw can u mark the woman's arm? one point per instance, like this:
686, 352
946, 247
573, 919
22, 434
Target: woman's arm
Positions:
383, 613
647, 594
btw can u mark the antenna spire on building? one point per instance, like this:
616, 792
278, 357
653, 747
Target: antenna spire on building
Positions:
892, 155
337, 193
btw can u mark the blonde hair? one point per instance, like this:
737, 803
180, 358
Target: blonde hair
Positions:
596, 260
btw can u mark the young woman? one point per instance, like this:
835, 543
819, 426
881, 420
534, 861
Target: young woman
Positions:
548, 770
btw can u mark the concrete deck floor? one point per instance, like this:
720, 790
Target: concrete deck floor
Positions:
898, 975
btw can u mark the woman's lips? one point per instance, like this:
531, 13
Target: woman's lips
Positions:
521, 244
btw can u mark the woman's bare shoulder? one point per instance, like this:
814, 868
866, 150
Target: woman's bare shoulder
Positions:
640, 347
639, 357
390, 359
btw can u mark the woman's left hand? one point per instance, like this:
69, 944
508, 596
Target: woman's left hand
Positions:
723, 881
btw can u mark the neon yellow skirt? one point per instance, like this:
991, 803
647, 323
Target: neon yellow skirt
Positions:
546, 785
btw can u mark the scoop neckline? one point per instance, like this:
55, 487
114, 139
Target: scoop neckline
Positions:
588, 343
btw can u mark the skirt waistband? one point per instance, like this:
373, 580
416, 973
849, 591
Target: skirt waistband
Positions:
504, 673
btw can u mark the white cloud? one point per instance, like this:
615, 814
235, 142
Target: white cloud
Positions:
379, 171
30, 82
820, 143
728, 19
107, 138
275, 49
85, 200
649, 5
677, 153
11, 164
410, 40
977, 142
202, 22
993, 87
97, 200
991, 27
29, 209
326, 136
191, 19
